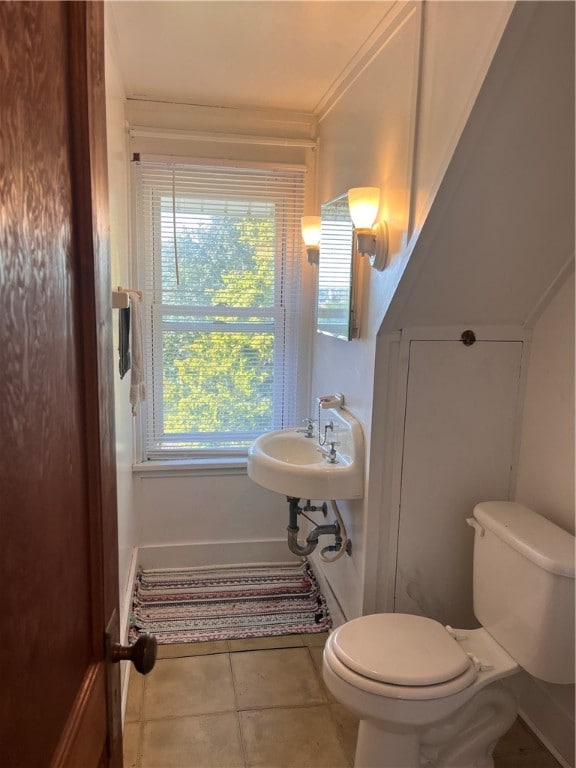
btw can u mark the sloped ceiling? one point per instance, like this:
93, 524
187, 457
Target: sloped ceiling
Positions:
499, 238
264, 54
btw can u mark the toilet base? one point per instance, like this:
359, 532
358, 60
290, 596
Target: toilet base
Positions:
464, 740
401, 750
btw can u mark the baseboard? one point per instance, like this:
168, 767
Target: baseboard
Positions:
125, 609
336, 612
548, 710
207, 553
566, 763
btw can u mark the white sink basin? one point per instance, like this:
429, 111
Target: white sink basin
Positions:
288, 462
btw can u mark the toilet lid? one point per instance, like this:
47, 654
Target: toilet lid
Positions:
400, 649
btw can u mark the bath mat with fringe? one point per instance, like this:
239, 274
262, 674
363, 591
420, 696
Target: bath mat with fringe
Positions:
189, 605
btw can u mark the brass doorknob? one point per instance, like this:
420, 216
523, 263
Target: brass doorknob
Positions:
142, 653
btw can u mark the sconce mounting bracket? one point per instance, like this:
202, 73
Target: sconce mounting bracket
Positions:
378, 258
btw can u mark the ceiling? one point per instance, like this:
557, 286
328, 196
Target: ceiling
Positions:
264, 54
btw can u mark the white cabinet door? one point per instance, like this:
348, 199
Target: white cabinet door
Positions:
459, 433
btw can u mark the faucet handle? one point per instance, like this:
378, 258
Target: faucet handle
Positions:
309, 431
332, 444
329, 453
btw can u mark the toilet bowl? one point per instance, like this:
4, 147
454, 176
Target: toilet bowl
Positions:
406, 697
429, 695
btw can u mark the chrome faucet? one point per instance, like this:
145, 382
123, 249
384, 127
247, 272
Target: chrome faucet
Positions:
309, 431
328, 426
329, 453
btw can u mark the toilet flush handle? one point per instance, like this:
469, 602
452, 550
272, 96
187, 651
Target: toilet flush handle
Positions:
473, 523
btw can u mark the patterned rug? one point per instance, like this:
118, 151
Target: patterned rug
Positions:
192, 605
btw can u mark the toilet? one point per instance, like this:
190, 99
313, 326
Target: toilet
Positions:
430, 695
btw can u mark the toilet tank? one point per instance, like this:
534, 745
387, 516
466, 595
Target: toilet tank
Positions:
524, 587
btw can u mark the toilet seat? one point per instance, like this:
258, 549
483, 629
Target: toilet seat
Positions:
401, 649
400, 656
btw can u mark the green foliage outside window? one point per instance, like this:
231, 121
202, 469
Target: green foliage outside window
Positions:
217, 378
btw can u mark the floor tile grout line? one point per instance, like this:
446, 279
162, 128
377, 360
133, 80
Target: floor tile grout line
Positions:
319, 677
308, 705
339, 735
242, 741
188, 715
237, 712
140, 744
141, 722
332, 716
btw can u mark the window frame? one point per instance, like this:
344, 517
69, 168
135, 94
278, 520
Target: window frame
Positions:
287, 339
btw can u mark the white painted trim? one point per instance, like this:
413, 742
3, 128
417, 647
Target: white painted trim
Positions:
382, 34
551, 291
415, 127
126, 606
190, 467
163, 114
335, 609
212, 553
551, 720
547, 743
377, 535
125, 610
212, 162
519, 418
389, 580
453, 332
112, 39
175, 134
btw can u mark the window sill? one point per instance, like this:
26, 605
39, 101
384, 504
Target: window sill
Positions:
189, 467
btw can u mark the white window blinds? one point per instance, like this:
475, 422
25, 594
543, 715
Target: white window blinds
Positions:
219, 253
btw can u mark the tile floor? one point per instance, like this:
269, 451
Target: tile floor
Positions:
256, 704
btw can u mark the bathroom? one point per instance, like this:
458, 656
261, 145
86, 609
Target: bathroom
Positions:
462, 115
458, 258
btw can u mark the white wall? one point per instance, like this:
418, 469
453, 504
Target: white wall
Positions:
395, 128
546, 465
366, 140
465, 226
458, 44
546, 483
186, 517
119, 245
368, 136
191, 520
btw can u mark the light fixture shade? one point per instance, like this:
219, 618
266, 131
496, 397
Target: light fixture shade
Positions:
363, 203
310, 230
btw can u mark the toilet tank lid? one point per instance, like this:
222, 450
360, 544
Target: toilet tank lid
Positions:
538, 539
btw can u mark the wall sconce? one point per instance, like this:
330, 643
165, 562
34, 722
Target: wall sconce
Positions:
371, 238
311, 236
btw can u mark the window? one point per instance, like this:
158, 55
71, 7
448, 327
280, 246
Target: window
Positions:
219, 251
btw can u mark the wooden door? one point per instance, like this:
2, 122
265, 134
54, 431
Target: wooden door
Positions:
58, 561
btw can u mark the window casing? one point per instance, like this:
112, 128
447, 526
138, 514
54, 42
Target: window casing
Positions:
219, 256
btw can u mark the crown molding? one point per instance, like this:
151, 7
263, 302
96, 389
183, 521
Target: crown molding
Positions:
392, 21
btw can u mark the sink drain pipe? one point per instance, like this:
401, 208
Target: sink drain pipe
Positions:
337, 529
342, 544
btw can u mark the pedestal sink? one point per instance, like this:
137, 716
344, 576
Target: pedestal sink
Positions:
288, 462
